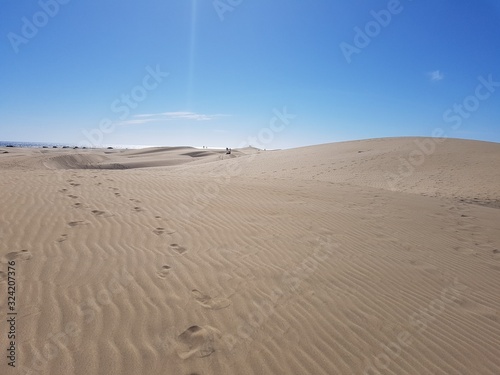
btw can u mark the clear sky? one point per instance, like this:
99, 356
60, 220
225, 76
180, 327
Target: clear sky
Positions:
275, 74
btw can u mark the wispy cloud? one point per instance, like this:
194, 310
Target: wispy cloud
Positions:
170, 116
436, 76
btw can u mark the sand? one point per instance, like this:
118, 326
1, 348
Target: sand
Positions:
369, 257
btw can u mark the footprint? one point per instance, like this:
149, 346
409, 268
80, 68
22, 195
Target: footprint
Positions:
157, 217
178, 249
98, 213
210, 303
75, 223
77, 205
72, 196
465, 251
197, 341
63, 238
63, 190
118, 195
138, 209
159, 231
74, 184
135, 200
163, 272
22, 255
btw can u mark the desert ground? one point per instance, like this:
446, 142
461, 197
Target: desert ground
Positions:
378, 256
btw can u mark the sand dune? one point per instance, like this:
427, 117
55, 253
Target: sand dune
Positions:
369, 257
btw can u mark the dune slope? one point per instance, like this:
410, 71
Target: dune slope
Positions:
329, 259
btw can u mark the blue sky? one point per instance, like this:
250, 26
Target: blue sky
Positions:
275, 74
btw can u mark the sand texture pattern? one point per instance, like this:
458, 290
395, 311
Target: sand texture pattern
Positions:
368, 257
